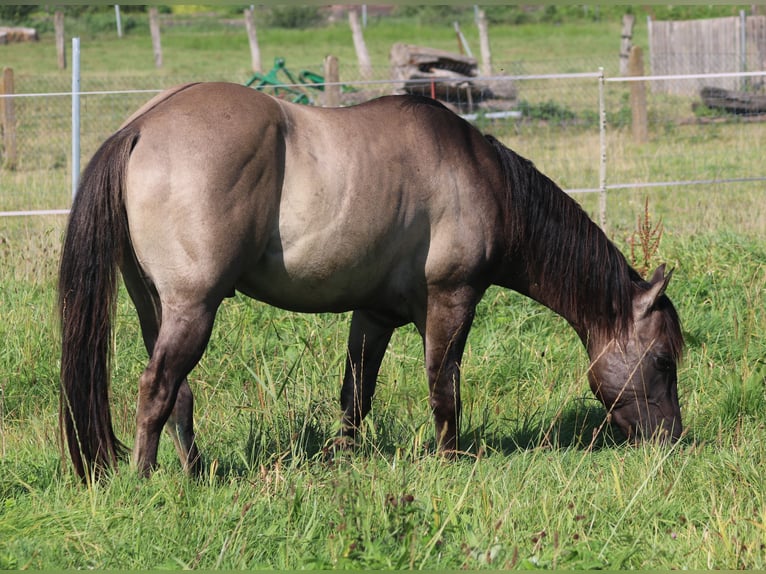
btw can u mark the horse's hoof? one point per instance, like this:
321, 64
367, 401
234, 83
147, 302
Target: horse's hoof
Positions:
337, 447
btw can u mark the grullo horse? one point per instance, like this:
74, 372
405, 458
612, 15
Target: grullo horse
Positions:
397, 210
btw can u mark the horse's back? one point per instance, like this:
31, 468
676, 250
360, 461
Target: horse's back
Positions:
155, 101
377, 198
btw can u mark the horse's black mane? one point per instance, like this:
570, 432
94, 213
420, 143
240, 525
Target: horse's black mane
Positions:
575, 265
413, 100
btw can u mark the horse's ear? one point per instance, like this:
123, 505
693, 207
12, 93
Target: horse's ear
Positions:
658, 274
645, 300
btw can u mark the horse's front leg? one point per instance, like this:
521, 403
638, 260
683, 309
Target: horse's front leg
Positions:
367, 342
448, 321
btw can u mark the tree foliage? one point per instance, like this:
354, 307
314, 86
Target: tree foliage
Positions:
15, 13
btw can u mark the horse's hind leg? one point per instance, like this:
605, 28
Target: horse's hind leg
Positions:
180, 424
367, 344
164, 395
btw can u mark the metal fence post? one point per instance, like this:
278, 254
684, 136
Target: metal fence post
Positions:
602, 140
744, 82
75, 114
118, 19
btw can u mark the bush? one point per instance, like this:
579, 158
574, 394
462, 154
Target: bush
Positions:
16, 14
294, 17
549, 110
436, 15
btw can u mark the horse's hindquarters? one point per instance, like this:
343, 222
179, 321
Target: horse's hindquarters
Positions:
203, 190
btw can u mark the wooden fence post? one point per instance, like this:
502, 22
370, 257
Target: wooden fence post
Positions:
331, 98
154, 29
628, 22
486, 54
9, 120
252, 36
58, 24
638, 96
365, 68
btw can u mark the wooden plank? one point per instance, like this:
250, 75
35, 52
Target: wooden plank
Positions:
734, 101
409, 62
703, 46
454, 76
18, 34
756, 42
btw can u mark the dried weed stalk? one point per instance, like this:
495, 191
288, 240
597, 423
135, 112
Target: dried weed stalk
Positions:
645, 242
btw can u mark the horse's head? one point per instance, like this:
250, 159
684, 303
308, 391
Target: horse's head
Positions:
634, 374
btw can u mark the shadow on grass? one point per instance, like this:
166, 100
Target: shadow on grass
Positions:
266, 448
580, 426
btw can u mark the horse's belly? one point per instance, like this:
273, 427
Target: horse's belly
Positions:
296, 295
311, 294
312, 278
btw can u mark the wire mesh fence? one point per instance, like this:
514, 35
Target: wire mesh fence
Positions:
553, 119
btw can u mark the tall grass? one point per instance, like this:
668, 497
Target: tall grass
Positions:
544, 484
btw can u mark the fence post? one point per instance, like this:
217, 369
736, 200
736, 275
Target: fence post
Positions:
9, 120
154, 29
75, 115
118, 20
744, 82
252, 37
58, 24
331, 96
365, 68
602, 140
486, 53
638, 96
628, 22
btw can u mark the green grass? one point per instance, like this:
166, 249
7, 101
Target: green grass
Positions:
531, 494
534, 490
544, 484
222, 51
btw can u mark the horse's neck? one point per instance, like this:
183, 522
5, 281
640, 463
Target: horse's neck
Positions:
565, 262
557, 255
535, 287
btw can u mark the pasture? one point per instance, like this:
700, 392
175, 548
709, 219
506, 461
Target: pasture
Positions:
544, 483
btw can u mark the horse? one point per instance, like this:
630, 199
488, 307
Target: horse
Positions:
396, 210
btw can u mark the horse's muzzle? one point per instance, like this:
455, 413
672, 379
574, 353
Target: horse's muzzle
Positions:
648, 425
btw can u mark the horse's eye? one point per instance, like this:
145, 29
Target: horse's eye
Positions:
664, 363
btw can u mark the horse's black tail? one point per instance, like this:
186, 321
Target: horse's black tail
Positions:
96, 236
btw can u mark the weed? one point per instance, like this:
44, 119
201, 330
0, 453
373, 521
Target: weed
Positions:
645, 242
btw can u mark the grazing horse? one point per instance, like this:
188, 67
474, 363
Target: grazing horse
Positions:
397, 210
